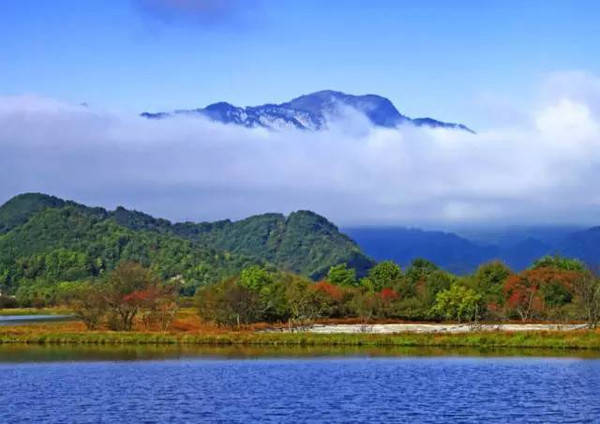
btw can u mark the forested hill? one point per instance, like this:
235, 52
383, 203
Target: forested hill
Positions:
44, 239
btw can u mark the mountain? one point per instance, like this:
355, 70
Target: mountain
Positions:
303, 242
523, 253
518, 248
45, 240
19, 209
308, 112
584, 245
513, 234
449, 251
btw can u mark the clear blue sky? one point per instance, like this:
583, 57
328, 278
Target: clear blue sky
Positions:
431, 58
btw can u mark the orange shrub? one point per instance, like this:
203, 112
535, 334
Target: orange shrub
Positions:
388, 295
330, 290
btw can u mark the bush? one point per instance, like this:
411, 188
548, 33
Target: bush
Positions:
7, 302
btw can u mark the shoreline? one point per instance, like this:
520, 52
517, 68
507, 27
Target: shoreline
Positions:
576, 339
425, 328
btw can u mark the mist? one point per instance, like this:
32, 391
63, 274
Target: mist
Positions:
539, 170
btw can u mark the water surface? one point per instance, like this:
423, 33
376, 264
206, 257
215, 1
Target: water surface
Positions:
180, 385
28, 319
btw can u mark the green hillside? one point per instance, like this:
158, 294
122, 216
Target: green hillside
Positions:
303, 242
44, 239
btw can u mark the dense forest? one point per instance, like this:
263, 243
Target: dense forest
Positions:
45, 240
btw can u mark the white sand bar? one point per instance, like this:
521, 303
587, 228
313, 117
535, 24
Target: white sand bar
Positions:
436, 328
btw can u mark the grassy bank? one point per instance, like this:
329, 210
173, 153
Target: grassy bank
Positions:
35, 311
48, 334
188, 330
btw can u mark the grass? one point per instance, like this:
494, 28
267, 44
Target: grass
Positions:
189, 330
35, 311
74, 333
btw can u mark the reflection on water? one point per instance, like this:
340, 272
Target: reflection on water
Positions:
53, 353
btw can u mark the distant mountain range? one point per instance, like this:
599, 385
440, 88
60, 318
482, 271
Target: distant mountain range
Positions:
517, 248
308, 112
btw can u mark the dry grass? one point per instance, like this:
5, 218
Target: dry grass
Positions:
188, 329
58, 310
188, 332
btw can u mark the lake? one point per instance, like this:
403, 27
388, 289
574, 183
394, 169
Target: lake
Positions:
181, 385
29, 319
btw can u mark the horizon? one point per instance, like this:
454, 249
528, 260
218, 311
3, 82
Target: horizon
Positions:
519, 75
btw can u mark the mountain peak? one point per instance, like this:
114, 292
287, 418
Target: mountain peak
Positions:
19, 208
309, 112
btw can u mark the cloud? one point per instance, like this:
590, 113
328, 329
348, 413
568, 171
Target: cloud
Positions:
543, 171
206, 12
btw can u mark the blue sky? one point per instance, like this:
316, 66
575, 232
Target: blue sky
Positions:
524, 74
440, 58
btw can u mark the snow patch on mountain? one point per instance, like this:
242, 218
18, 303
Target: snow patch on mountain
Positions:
309, 112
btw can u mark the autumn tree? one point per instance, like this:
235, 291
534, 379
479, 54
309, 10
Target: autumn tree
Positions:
228, 303
159, 305
330, 297
365, 306
387, 299
538, 290
86, 302
305, 302
587, 291
126, 292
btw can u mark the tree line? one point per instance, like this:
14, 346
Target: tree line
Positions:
553, 288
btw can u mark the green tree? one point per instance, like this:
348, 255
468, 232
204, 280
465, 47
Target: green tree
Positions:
273, 301
489, 281
559, 263
384, 274
435, 282
419, 269
255, 278
458, 303
342, 276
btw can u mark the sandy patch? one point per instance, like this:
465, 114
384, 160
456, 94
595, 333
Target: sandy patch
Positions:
435, 328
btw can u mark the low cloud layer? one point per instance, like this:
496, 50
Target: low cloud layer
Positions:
543, 171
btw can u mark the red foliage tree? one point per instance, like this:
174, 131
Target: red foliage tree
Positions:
388, 295
330, 290
532, 291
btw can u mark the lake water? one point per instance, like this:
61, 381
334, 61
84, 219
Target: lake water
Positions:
91, 385
28, 319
